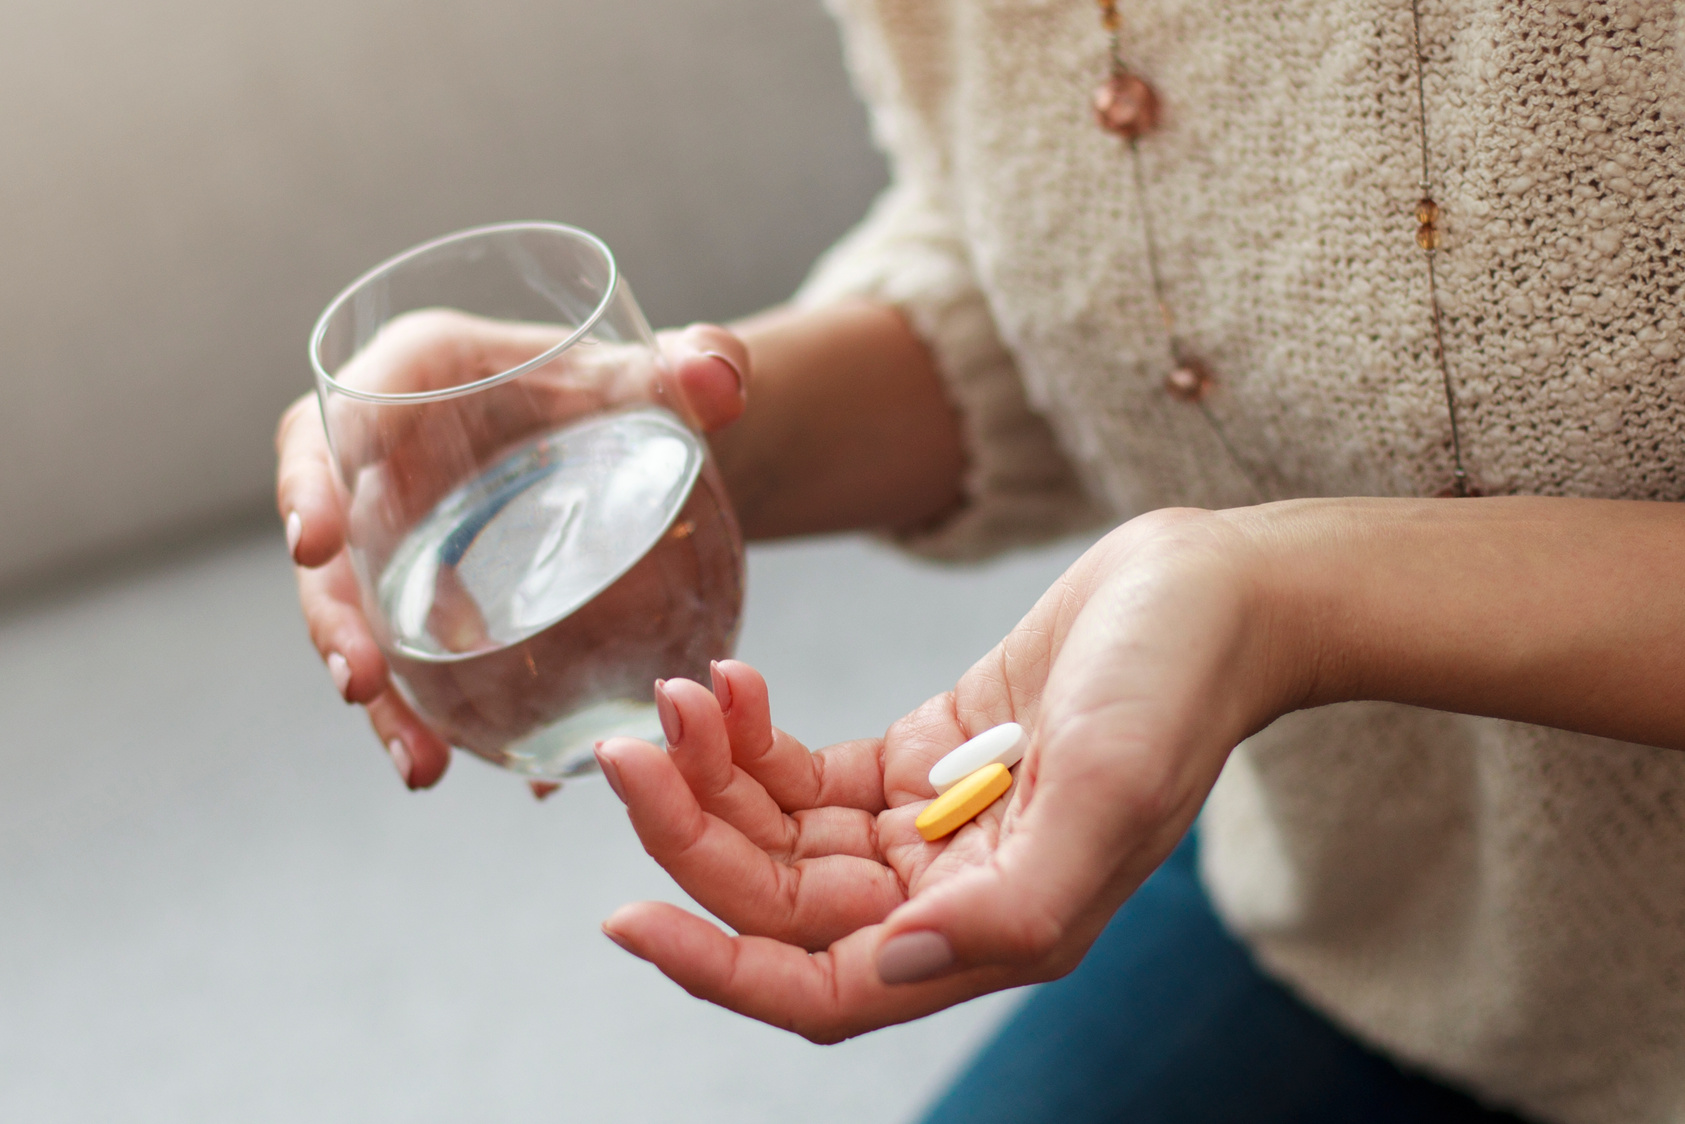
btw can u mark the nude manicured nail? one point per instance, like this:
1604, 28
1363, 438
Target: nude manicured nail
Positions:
914, 957
611, 772
742, 382
400, 755
341, 672
722, 686
609, 933
671, 724
295, 532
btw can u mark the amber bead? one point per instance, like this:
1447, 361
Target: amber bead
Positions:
1189, 382
1126, 105
1427, 224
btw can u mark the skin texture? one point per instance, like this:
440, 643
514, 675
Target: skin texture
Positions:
1171, 640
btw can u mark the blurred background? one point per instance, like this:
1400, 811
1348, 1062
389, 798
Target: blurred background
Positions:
216, 902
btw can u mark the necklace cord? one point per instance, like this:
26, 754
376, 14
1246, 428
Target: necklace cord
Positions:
1427, 237
1126, 106
1193, 374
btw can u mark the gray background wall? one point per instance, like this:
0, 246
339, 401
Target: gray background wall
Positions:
185, 183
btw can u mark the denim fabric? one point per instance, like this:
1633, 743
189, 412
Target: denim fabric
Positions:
1167, 1020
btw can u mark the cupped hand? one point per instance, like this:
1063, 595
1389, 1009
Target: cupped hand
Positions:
1136, 674
701, 376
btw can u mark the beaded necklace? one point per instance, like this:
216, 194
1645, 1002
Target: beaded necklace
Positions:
1124, 104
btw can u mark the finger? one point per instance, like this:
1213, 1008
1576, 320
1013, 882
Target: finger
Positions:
304, 486
333, 612
824, 996
810, 902
702, 754
703, 757
708, 372
433, 348
1078, 846
422, 449
922, 738
849, 774
835, 831
417, 753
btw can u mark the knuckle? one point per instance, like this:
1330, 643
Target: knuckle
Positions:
430, 326
301, 411
283, 428
320, 627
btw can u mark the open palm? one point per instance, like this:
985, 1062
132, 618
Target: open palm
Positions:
1128, 673
806, 851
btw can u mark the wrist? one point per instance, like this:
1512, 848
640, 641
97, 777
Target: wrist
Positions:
1301, 564
847, 425
1235, 571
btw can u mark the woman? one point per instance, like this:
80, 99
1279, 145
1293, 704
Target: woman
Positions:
1337, 248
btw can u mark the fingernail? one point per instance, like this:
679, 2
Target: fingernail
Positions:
722, 685
914, 957
671, 724
611, 774
400, 756
295, 532
617, 940
341, 672
742, 382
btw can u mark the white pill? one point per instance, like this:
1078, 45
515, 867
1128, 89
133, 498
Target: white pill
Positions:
1004, 744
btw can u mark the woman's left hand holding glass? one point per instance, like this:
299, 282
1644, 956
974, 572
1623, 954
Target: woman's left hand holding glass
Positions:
699, 378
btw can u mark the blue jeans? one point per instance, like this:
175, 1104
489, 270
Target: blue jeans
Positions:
1167, 1020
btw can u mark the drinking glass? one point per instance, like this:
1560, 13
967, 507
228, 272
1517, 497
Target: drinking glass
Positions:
536, 535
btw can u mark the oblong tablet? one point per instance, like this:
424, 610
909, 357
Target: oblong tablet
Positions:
1002, 745
964, 802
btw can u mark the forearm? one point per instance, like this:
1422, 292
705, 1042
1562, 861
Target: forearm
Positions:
848, 425
1567, 613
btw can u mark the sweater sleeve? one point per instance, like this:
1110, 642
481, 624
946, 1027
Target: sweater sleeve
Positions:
911, 252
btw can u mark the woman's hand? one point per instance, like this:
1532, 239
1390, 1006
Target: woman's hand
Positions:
1169, 642
1136, 674
702, 377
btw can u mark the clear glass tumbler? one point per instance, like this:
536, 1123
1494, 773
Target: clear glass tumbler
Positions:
536, 536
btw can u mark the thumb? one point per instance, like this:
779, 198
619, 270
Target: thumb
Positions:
707, 373
1077, 848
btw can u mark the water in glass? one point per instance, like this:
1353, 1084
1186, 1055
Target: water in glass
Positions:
529, 612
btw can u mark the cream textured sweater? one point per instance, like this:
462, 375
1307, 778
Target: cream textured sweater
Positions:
1499, 904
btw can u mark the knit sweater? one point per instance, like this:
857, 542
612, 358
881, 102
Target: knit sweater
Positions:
1498, 904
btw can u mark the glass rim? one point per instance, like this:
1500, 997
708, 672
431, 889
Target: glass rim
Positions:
321, 329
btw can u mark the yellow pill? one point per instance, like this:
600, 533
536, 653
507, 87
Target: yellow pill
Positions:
964, 802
